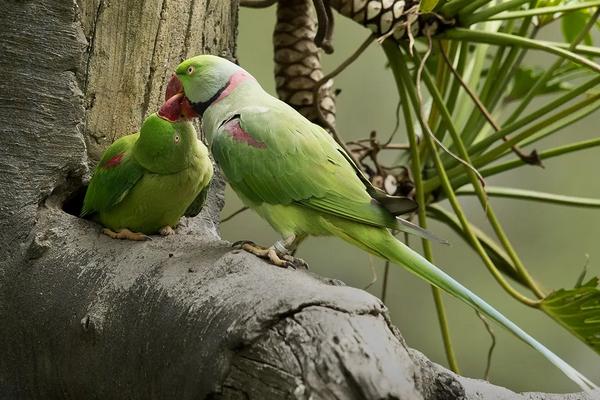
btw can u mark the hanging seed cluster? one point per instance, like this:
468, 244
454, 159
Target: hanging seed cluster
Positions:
382, 17
298, 61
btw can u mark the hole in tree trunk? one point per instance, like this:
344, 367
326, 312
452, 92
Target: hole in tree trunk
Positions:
74, 201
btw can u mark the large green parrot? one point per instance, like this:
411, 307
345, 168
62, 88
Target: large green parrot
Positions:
294, 175
145, 182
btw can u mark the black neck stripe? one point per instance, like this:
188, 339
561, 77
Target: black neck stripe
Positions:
201, 106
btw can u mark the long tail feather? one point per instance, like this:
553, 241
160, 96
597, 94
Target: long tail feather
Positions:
413, 229
418, 265
382, 243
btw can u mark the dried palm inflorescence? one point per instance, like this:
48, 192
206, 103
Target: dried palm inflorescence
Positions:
298, 61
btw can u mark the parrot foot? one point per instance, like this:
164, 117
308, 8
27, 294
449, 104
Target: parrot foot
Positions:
240, 245
166, 231
275, 256
125, 234
295, 262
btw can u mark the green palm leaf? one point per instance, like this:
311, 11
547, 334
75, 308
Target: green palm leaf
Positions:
578, 310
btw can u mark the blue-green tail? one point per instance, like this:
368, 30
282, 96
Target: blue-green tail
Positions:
383, 244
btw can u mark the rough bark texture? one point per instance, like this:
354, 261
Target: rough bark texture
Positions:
184, 317
132, 47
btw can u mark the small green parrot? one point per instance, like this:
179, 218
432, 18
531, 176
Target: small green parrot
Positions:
294, 175
146, 181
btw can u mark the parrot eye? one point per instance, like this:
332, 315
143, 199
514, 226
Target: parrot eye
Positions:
176, 139
190, 70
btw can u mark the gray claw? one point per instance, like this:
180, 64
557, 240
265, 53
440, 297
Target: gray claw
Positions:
240, 243
295, 262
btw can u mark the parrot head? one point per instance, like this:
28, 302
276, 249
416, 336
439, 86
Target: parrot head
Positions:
205, 80
167, 138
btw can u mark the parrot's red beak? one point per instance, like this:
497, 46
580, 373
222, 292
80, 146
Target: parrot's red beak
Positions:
171, 109
176, 104
173, 87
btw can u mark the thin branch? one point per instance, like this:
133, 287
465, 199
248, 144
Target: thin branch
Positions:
257, 3
462, 49
470, 18
529, 159
442, 78
590, 51
553, 123
396, 146
427, 250
396, 126
340, 68
504, 39
422, 112
230, 216
324, 27
486, 142
325, 79
541, 81
535, 11
499, 76
331, 24
490, 331
444, 328
515, 163
386, 273
491, 216
466, 87
463, 6
390, 146
533, 195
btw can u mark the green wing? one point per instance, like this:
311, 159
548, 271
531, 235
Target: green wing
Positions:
198, 203
278, 157
116, 173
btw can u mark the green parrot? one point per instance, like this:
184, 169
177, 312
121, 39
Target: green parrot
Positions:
146, 181
294, 175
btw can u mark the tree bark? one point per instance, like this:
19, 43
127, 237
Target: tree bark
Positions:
87, 317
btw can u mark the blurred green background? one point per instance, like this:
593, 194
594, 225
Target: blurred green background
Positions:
552, 240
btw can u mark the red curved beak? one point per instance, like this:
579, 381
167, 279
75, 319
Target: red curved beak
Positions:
176, 105
173, 87
171, 109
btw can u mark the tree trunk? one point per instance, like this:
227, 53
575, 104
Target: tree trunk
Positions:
183, 317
